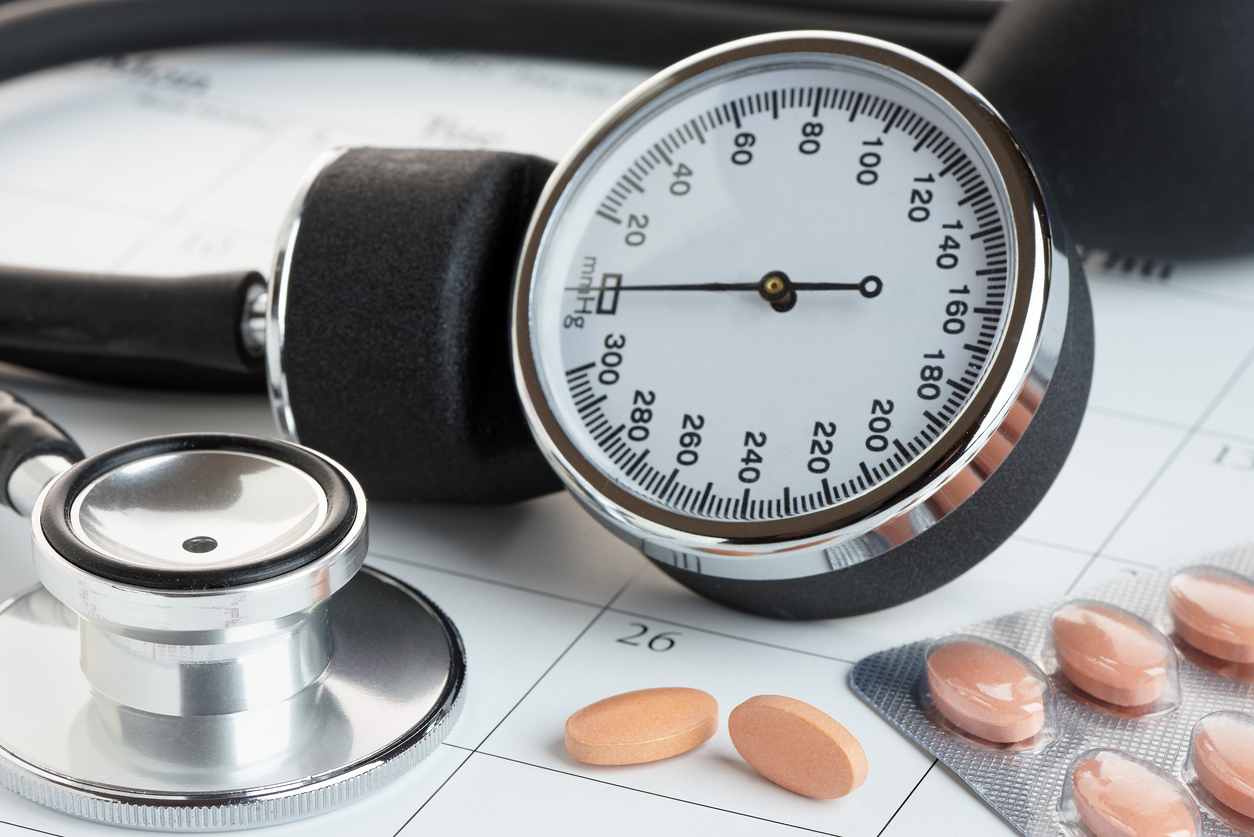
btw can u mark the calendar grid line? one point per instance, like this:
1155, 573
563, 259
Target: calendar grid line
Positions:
1226, 437
659, 795
28, 828
1108, 412
23, 190
505, 717
907, 799
565, 651
733, 636
1050, 544
1137, 564
434, 793
220, 178
293, 116
1167, 288
1178, 427
493, 581
1214, 403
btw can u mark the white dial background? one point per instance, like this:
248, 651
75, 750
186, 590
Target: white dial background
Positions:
710, 402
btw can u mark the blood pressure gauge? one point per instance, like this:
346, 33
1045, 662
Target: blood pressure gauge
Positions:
790, 320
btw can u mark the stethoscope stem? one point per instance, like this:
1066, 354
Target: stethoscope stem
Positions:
33, 451
31, 477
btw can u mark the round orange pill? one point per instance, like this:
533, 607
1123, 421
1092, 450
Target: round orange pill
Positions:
1110, 654
1213, 611
1117, 797
986, 691
1223, 758
636, 727
797, 746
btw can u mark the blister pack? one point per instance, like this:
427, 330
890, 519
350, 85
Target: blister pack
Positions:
1127, 711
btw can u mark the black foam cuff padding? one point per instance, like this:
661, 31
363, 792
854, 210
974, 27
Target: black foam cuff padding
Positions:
24, 433
192, 320
963, 537
396, 338
1138, 115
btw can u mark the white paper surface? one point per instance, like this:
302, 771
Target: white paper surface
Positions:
185, 162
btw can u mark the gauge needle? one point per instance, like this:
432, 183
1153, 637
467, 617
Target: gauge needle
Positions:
775, 287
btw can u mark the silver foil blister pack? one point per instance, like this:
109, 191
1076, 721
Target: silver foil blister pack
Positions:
1028, 784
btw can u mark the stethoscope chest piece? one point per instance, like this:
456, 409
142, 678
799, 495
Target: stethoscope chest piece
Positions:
207, 651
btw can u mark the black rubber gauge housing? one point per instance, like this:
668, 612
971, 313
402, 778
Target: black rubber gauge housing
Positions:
1137, 114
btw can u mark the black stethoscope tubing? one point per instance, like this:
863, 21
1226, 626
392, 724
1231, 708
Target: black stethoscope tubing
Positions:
36, 34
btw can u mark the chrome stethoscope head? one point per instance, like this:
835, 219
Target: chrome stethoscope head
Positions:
206, 650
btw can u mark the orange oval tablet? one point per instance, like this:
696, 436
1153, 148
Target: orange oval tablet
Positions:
1214, 612
797, 746
1115, 797
1109, 653
641, 726
986, 691
1223, 758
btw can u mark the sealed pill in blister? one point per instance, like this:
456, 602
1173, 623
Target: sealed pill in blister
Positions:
988, 693
1121, 691
1220, 767
1112, 658
1109, 793
1212, 616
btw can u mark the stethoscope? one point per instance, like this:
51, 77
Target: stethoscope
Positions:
206, 650
239, 666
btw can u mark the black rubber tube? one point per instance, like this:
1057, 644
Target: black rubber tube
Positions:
141, 372
36, 34
24, 433
191, 319
1137, 114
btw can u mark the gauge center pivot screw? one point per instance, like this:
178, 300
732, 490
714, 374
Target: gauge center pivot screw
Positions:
777, 289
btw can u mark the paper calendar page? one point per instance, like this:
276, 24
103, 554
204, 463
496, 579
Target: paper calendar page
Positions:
185, 162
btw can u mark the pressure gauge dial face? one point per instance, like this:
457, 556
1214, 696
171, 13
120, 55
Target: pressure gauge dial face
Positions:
776, 293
